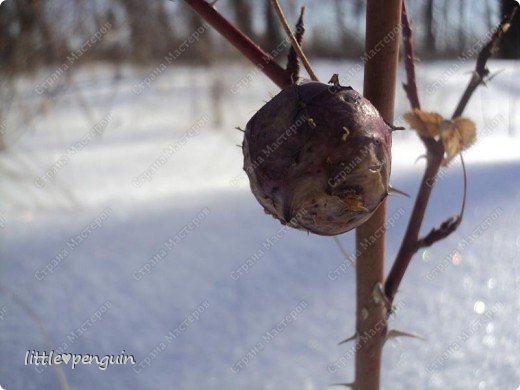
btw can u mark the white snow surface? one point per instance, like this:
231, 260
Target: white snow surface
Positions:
468, 310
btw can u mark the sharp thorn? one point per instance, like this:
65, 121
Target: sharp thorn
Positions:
419, 158
335, 80
351, 385
394, 127
396, 333
351, 338
493, 75
395, 191
239, 129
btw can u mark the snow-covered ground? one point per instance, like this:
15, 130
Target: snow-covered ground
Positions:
144, 237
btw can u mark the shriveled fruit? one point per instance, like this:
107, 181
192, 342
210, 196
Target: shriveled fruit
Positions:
318, 157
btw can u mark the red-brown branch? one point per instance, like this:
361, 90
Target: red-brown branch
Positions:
410, 243
481, 71
410, 86
435, 151
379, 87
243, 43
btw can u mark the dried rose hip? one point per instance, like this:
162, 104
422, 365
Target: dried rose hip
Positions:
318, 157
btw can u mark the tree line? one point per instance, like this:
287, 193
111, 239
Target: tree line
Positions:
36, 33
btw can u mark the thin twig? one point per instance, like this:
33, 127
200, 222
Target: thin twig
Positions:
451, 224
434, 155
409, 245
435, 151
481, 70
294, 41
64, 385
244, 44
344, 251
410, 86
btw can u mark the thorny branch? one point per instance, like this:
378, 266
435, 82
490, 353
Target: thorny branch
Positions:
481, 71
435, 150
411, 86
243, 43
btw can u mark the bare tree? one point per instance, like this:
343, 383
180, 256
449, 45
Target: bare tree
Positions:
27, 38
150, 31
272, 34
429, 22
137, 16
349, 44
164, 24
510, 44
462, 25
490, 6
203, 50
243, 16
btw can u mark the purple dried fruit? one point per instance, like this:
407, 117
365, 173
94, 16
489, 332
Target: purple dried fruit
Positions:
318, 157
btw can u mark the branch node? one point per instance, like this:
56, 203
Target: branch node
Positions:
378, 294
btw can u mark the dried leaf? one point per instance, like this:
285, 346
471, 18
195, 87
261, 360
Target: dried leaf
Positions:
468, 131
456, 136
427, 124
